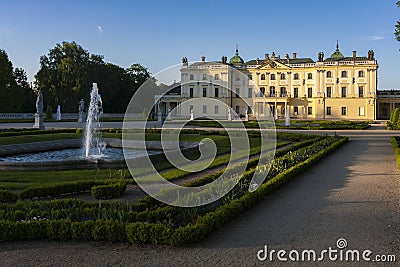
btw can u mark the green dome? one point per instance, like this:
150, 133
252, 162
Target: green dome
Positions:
337, 54
236, 59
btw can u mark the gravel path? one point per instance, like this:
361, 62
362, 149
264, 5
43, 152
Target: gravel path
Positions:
353, 194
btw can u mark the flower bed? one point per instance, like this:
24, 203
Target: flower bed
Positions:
151, 221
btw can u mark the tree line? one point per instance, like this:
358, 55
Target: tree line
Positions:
65, 76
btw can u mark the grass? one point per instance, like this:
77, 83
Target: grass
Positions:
295, 124
23, 179
22, 139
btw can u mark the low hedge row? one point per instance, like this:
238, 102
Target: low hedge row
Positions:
64, 229
395, 140
7, 196
149, 229
109, 190
149, 202
58, 189
35, 132
144, 232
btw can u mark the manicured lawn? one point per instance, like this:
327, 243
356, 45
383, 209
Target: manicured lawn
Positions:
36, 138
24, 179
295, 124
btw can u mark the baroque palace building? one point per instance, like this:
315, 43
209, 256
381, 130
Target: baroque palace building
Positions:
336, 87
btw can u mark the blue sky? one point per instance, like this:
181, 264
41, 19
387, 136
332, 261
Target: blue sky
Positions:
157, 34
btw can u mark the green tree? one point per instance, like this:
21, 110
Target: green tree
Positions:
397, 27
66, 75
12, 94
62, 75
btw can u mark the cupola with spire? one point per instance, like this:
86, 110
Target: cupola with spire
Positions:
337, 54
236, 59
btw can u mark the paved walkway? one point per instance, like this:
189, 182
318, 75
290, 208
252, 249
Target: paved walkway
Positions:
354, 194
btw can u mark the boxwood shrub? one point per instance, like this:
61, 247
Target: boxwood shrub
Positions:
108, 191
7, 196
57, 190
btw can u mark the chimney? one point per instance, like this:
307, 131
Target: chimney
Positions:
294, 55
203, 59
354, 54
266, 56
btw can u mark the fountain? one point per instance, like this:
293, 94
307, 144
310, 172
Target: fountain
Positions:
67, 154
93, 145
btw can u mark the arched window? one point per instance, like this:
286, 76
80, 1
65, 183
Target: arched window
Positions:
344, 74
360, 73
272, 76
283, 77
262, 76
309, 76
328, 74
296, 76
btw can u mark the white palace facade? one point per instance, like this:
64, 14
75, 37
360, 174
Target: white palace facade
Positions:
338, 87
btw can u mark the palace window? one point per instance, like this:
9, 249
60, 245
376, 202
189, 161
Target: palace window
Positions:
361, 73
191, 92
204, 92
328, 74
282, 92
216, 92
295, 92
237, 109
309, 76
309, 92
250, 92
237, 92
283, 76
191, 77
344, 74
309, 110
272, 76
204, 76
296, 110
262, 76
262, 91
344, 111
216, 109
344, 91
191, 108
361, 91
204, 109
272, 91
328, 91
250, 77
296, 76
328, 110
237, 77
361, 111
216, 76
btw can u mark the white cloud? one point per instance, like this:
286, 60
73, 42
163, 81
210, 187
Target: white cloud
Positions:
100, 29
375, 38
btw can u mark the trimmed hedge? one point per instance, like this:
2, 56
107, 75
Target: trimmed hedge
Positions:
215, 219
108, 191
395, 140
64, 229
77, 220
57, 190
7, 196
